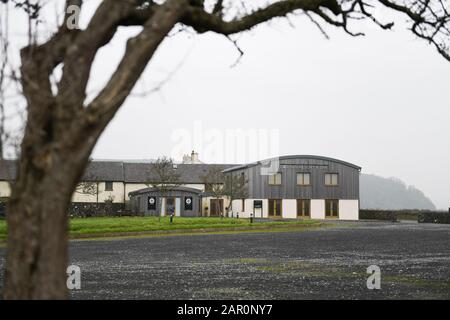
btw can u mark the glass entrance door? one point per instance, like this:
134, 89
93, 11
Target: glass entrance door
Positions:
170, 206
275, 208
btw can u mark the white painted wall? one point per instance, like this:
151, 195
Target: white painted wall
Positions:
177, 207
82, 197
206, 203
317, 209
289, 207
130, 187
117, 194
236, 206
348, 209
249, 208
5, 189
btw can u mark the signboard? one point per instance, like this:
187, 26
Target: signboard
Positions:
151, 204
257, 204
187, 203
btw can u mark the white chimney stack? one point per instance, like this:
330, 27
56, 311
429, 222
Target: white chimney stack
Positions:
194, 157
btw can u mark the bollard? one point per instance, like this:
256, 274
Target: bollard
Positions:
171, 218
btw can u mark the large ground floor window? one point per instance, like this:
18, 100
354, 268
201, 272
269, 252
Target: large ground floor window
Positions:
170, 206
332, 208
303, 208
275, 208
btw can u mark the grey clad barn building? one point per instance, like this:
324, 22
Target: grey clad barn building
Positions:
182, 201
300, 186
295, 186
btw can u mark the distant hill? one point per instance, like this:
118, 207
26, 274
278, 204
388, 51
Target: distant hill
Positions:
391, 193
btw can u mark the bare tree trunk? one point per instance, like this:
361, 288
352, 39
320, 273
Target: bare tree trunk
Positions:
61, 130
59, 137
50, 167
38, 221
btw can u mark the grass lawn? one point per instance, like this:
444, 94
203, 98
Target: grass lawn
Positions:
2, 229
108, 225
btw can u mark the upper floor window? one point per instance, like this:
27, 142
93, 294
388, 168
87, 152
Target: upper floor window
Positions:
331, 179
108, 186
275, 179
303, 179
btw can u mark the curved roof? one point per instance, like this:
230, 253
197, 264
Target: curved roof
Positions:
287, 157
185, 189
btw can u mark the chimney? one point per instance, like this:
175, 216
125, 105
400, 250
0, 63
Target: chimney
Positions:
194, 157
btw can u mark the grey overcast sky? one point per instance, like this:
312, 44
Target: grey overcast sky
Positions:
380, 101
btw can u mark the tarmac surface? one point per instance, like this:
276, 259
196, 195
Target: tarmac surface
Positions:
324, 263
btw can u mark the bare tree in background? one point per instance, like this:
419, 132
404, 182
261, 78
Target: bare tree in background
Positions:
163, 178
235, 187
87, 188
214, 184
62, 128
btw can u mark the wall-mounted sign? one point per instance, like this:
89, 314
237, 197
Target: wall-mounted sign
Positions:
257, 204
306, 166
151, 204
187, 203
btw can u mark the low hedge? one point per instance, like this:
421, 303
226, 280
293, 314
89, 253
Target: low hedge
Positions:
378, 215
422, 216
434, 217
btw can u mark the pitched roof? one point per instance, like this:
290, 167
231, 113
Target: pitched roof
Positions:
140, 172
104, 171
189, 173
129, 172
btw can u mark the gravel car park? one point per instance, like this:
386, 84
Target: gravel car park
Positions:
325, 263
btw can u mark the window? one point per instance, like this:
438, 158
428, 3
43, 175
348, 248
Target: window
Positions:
275, 179
303, 208
331, 208
108, 186
303, 179
331, 179
275, 207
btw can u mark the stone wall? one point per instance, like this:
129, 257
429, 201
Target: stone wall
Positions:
89, 209
2, 209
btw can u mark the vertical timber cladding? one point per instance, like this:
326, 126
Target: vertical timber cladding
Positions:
289, 166
346, 192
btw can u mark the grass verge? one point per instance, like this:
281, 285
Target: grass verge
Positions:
136, 226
